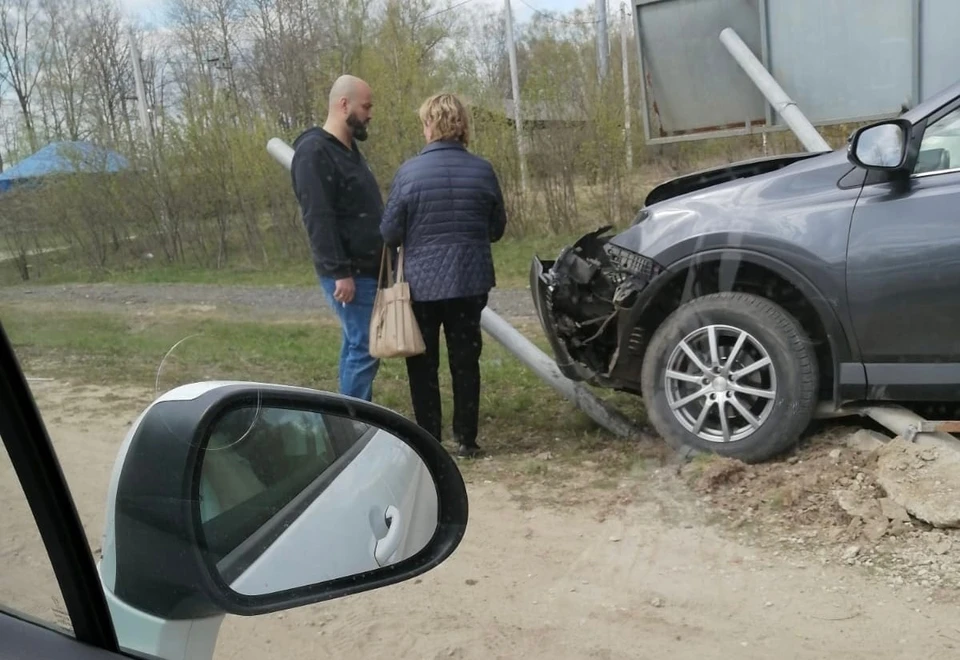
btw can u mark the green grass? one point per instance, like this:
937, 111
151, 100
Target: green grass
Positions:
512, 258
519, 413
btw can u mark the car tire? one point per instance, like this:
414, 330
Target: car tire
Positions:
772, 377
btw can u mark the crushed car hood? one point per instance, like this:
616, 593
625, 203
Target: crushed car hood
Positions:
801, 204
688, 183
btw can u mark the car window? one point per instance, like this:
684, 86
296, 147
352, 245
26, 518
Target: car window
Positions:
28, 586
261, 466
257, 461
347, 431
940, 146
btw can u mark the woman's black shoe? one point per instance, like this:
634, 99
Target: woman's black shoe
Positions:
469, 451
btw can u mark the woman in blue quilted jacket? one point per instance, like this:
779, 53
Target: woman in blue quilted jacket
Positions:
446, 208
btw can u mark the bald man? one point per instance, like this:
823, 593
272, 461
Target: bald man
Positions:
341, 206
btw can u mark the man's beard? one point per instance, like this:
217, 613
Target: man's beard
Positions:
358, 127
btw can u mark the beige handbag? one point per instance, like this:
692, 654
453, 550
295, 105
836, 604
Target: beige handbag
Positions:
393, 327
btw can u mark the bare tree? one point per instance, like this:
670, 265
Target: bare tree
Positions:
108, 70
24, 39
346, 32
287, 52
487, 47
65, 86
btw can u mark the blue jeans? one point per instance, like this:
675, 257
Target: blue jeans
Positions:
357, 368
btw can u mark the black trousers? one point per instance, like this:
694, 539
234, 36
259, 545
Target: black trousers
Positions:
460, 318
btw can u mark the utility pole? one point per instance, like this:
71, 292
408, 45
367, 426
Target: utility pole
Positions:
515, 84
145, 124
213, 63
603, 44
624, 49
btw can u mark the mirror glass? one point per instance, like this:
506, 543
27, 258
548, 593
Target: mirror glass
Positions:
881, 146
291, 498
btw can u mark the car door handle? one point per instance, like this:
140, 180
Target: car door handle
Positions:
388, 545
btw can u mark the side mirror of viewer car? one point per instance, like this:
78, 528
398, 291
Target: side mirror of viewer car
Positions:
248, 498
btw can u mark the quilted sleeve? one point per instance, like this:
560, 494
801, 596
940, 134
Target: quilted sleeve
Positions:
498, 218
393, 225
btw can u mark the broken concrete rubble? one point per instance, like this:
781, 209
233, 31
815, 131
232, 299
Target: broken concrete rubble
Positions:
858, 504
875, 529
941, 545
850, 553
925, 481
866, 441
799, 500
897, 528
893, 511
870, 518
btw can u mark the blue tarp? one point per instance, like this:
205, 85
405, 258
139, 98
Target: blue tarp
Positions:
63, 158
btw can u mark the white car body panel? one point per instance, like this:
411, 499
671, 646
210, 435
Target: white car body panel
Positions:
288, 561
354, 505
140, 632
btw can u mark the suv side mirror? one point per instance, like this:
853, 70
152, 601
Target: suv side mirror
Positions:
247, 498
885, 146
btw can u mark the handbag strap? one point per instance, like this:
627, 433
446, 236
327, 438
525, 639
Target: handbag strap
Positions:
386, 269
400, 277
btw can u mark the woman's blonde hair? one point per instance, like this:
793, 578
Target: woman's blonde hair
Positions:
448, 118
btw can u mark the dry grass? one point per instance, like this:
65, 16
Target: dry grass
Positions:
521, 417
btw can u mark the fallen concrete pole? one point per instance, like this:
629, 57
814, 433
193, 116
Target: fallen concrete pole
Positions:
768, 86
901, 422
541, 364
523, 349
907, 424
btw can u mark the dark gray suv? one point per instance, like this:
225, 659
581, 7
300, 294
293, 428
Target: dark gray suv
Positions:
744, 299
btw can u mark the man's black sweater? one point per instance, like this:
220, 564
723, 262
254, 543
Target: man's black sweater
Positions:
341, 205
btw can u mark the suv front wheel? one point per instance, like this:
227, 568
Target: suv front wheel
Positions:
732, 374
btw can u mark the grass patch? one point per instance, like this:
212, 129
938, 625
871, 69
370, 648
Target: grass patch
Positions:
512, 258
519, 413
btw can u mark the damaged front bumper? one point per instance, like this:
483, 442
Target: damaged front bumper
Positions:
583, 300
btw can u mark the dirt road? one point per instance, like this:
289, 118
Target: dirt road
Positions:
646, 580
266, 300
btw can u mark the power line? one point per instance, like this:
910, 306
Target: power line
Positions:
451, 8
556, 19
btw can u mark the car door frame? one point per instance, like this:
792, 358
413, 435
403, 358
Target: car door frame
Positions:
910, 380
37, 468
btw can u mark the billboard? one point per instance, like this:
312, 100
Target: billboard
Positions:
839, 60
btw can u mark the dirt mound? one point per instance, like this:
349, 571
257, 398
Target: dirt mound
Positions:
717, 473
828, 499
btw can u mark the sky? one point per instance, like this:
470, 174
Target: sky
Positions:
151, 11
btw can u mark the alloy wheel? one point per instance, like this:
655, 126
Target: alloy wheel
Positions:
720, 383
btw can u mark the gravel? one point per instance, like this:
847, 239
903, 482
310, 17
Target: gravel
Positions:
509, 303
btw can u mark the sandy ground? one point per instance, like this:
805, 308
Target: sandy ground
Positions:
647, 580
